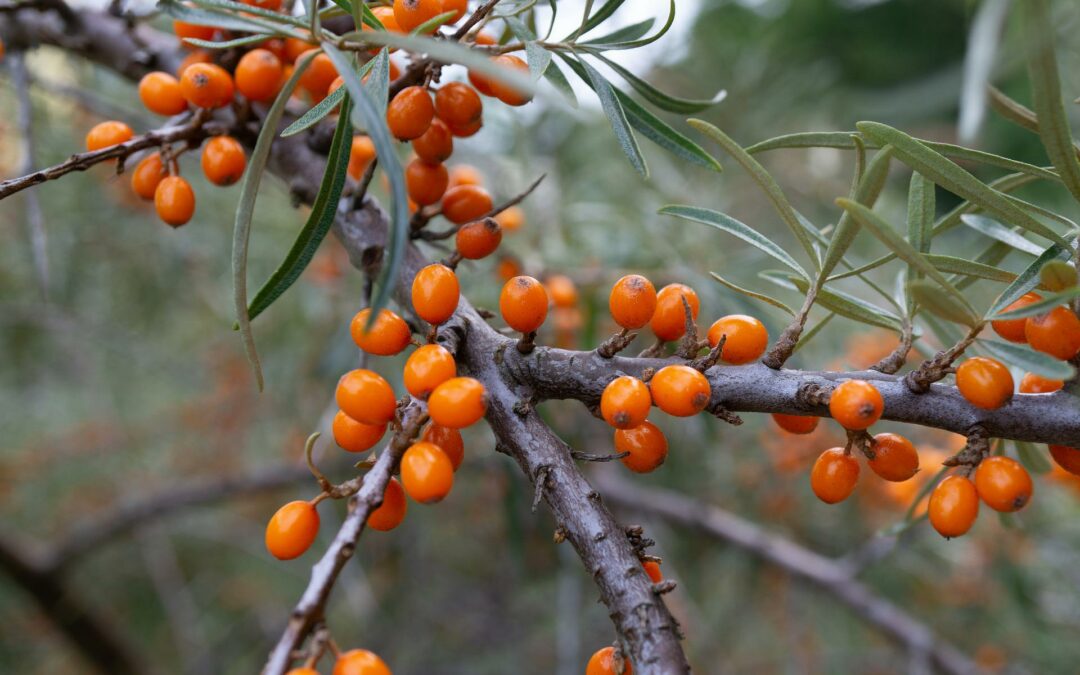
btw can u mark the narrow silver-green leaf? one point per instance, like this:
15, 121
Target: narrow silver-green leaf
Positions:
1027, 359
929, 296
850, 307
995, 230
599, 17
226, 44
624, 136
866, 192
1033, 459
557, 78
219, 18
323, 107
432, 24
754, 294
538, 58
636, 44
921, 211
658, 98
1049, 301
631, 32
971, 268
1028, 279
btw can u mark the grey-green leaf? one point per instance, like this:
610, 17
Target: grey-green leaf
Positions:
754, 294
617, 117
929, 296
1029, 360
1028, 279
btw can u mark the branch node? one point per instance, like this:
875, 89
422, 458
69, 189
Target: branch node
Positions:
615, 344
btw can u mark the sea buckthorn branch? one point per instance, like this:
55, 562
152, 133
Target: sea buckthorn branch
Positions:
895, 360
936, 368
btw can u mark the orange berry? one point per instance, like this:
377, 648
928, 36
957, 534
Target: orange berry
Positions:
366, 397
428, 367
292, 530
856, 404
625, 402
1067, 458
466, 203
458, 104
669, 320
1003, 483
108, 134
1056, 333
1013, 329
435, 145
318, 76
478, 239
206, 85
603, 662
652, 568
485, 39
507, 93
746, 338
410, 113
387, 336
196, 56
426, 472
508, 268
149, 172
796, 424
1032, 383
680, 390
457, 403
425, 182
361, 155
189, 30
985, 383
459, 7
632, 301
834, 475
353, 436
392, 510
449, 440
302, 671
269, 5
467, 130
360, 662
223, 160
410, 14
463, 174
258, 75
174, 201
562, 290
646, 444
895, 458
481, 82
511, 218
160, 93
523, 304
435, 293
295, 47
954, 505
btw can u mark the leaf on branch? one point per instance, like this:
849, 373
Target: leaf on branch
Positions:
953, 265
635, 44
1057, 275
995, 230
1033, 459
325, 106
224, 15
1048, 302
1029, 278
754, 294
850, 307
631, 32
598, 18
617, 117
658, 98
557, 78
866, 192
929, 296
1029, 360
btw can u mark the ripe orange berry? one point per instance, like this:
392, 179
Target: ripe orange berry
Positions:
353, 436
632, 301
523, 304
302, 671
425, 182
856, 404
457, 403
507, 93
269, 5
449, 440
412, 13
669, 320
466, 203
295, 47
435, 145
206, 85
478, 239
258, 75
834, 476
508, 268
149, 172
1056, 333
360, 662
1003, 483
386, 337
954, 505
746, 338
196, 56
426, 472
361, 155
410, 113
652, 568
174, 201
1067, 458
435, 293
796, 424
366, 397
680, 390
458, 104
646, 444
223, 160
511, 219
108, 134
463, 174
1032, 383
625, 402
603, 662
562, 290
189, 30
292, 530
895, 458
392, 510
481, 82
984, 382
319, 75
1013, 329
459, 7
428, 367
160, 93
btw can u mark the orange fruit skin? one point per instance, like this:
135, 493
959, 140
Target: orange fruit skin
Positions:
148, 173
410, 113
511, 219
954, 506
366, 397
647, 445
626, 402
259, 75
291, 530
392, 510
463, 174
410, 14
985, 383
1013, 329
206, 85
223, 160
353, 436
603, 663
1056, 333
562, 290
895, 458
506, 93
435, 145
523, 303
1003, 484
427, 474
1067, 458
269, 5
174, 201
435, 293
389, 334
856, 404
190, 30
428, 367
1037, 384
360, 662
796, 424
458, 104
457, 403
449, 440
652, 568
478, 239
196, 56
160, 93
746, 341
361, 153
295, 48
680, 390
108, 134
466, 203
834, 476
669, 320
425, 182
459, 7
632, 301
302, 671
318, 76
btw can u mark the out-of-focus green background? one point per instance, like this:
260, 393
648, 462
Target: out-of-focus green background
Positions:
128, 380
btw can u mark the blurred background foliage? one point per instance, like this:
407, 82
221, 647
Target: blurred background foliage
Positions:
127, 379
